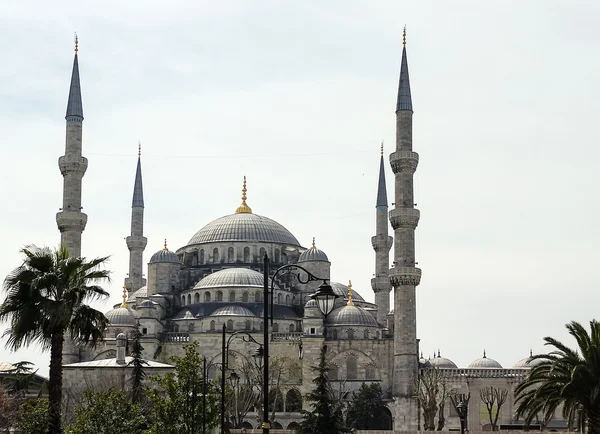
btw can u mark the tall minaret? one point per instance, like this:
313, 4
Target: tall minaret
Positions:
70, 220
382, 243
404, 276
136, 242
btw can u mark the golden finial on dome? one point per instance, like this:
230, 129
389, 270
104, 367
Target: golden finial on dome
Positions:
139, 148
243, 208
124, 304
314, 245
404, 37
350, 302
382, 148
76, 43
165, 247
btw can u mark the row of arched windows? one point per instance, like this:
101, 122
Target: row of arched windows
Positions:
202, 257
352, 334
351, 370
219, 296
291, 328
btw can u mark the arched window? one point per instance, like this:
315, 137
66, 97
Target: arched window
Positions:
277, 256
287, 300
230, 324
215, 255
232, 296
334, 334
261, 254
276, 398
351, 367
245, 297
183, 300
219, 295
277, 425
230, 254
189, 299
366, 334
293, 426
332, 373
284, 258
275, 327
201, 257
350, 333
191, 327
293, 401
197, 298
212, 326
257, 297
248, 325
206, 297
370, 372
279, 298
262, 327
291, 328
195, 258
246, 254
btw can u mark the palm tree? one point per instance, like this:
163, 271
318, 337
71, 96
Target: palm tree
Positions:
45, 302
566, 377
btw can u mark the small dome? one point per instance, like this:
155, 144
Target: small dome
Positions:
442, 362
313, 254
120, 316
165, 255
311, 303
231, 277
351, 315
121, 336
527, 362
146, 304
342, 290
232, 310
484, 363
140, 293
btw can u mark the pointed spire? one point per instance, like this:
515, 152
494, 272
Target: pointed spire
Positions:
243, 208
484, 353
381, 188
124, 304
138, 190
404, 98
530, 352
74, 105
439, 353
350, 302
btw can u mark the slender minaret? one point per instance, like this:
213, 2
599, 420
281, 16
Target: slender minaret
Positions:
404, 276
70, 220
136, 242
382, 244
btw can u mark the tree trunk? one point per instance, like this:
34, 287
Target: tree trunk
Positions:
55, 383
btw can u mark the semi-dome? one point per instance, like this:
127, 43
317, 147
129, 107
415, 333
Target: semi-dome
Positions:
232, 310
165, 255
244, 227
442, 362
351, 315
146, 304
231, 277
313, 254
120, 316
484, 363
311, 303
140, 293
342, 290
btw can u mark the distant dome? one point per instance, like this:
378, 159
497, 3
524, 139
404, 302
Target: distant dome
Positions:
342, 290
313, 254
232, 310
244, 226
231, 277
484, 363
442, 362
165, 255
120, 316
527, 362
311, 303
146, 304
140, 293
351, 315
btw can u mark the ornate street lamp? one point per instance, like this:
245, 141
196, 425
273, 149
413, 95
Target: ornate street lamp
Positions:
325, 298
462, 408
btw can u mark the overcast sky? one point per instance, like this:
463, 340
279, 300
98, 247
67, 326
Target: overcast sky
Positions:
297, 96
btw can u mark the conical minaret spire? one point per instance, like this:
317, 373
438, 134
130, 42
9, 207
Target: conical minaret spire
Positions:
136, 242
382, 243
404, 276
70, 220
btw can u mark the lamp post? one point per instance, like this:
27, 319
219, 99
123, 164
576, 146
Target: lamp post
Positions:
324, 297
462, 408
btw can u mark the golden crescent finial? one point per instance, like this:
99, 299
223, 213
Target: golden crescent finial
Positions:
382, 148
243, 208
139, 148
404, 37
165, 247
314, 245
124, 304
350, 302
76, 43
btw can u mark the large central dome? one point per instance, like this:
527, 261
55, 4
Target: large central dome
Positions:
244, 227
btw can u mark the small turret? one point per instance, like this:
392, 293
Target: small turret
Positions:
163, 272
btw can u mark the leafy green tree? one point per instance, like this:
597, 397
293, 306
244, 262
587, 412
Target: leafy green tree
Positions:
367, 409
137, 363
19, 378
566, 376
325, 417
107, 412
176, 401
46, 301
9, 408
33, 417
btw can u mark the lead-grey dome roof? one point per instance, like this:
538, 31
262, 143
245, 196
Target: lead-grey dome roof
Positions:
342, 290
527, 362
244, 227
120, 316
442, 362
351, 315
484, 363
140, 293
313, 254
232, 310
146, 303
165, 255
231, 277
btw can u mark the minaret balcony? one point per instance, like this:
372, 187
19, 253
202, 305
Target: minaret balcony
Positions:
380, 284
71, 221
405, 276
77, 165
404, 218
404, 161
136, 242
382, 242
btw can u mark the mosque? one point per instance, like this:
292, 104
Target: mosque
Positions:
216, 281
